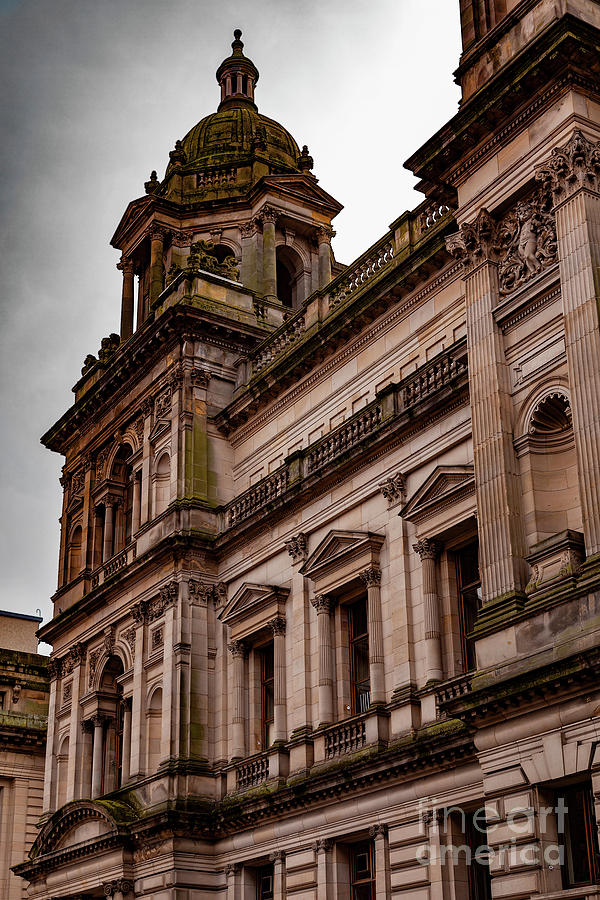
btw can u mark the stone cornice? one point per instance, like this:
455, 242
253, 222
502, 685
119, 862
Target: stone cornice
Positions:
444, 159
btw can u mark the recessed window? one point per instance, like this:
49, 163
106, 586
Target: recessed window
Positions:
362, 871
577, 835
2, 700
264, 883
469, 599
360, 683
267, 693
478, 870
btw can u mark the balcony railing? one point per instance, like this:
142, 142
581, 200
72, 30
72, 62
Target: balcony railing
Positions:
252, 772
446, 371
345, 738
373, 261
113, 565
452, 690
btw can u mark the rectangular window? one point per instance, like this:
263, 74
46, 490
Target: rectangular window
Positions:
469, 598
267, 695
264, 883
478, 871
2, 696
360, 684
577, 835
362, 871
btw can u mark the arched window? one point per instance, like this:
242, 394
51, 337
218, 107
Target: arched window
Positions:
154, 714
162, 484
113, 709
221, 251
289, 277
122, 474
74, 567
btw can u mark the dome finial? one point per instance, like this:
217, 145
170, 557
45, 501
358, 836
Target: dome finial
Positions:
237, 45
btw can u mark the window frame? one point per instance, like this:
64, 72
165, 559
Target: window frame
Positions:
267, 683
355, 640
590, 835
355, 881
469, 662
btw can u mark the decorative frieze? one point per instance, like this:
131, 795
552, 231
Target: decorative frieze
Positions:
201, 593
101, 458
162, 404
93, 665
109, 639
129, 636
74, 657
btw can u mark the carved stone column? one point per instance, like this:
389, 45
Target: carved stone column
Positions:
107, 545
74, 663
268, 217
372, 578
573, 175
325, 234
278, 860
50, 785
249, 256
137, 505
239, 652
138, 692
97, 754
128, 269
378, 834
277, 626
497, 479
323, 848
233, 874
429, 550
126, 761
323, 606
157, 239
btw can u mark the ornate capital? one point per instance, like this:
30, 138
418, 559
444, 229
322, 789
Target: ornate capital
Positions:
475, 242
139, 612
232, 869
126, 266
322, 603
200, 378
157, 232
277, 625
323, 845
54, 669
73, 658
238, 649
378, 830
277, 856
268, 214
394, 488
98, 720
169, 592
574, 166
297, 547
371, 577
324, 234
248, 229
428, 548
183, 238
201, 592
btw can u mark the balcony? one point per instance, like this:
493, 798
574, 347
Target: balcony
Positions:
369, 729
117, 563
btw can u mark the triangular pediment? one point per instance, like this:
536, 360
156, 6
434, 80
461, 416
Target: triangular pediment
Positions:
250, 599
161, 427
446, 484
137, 210
299, 187
338, 547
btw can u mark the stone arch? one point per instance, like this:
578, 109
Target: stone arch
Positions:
62, 761
161, 479
75, 551
290, 271
153, 727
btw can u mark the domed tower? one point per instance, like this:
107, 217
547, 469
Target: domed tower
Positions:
239, 181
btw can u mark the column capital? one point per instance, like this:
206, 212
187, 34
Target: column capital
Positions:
268, 214
238, 649
277, 625
476, 241
571, 167
428, 548
157, 232
277, 856
232, 869
371, 576
323, 845
325, 233
126, 266
99, 719
323, 603
200, 592
378, 830
393, 488
297, 547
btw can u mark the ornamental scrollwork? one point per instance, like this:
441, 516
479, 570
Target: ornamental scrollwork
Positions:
297, 547
575, 165
394, 488
202, 258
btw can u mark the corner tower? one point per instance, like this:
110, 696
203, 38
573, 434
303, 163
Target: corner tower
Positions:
239, 182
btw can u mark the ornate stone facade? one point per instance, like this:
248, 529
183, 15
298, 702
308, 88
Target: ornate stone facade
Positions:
328, 598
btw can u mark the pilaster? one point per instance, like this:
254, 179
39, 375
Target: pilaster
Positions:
323, 606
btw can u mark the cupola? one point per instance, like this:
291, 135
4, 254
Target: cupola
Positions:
237, 75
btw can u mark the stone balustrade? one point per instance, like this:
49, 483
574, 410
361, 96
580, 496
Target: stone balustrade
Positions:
284, 337
447, 371
252, 772
368, 265
345, 737
115, 564
434, 376
432, 214
452, 690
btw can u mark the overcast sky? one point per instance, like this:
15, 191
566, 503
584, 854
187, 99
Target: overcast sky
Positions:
95, 93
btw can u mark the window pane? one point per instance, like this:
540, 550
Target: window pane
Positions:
580, 841
358, 619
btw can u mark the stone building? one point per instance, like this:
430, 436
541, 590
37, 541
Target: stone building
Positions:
327, 616
23, 717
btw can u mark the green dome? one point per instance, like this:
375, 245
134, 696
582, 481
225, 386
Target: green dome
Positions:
235, 134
